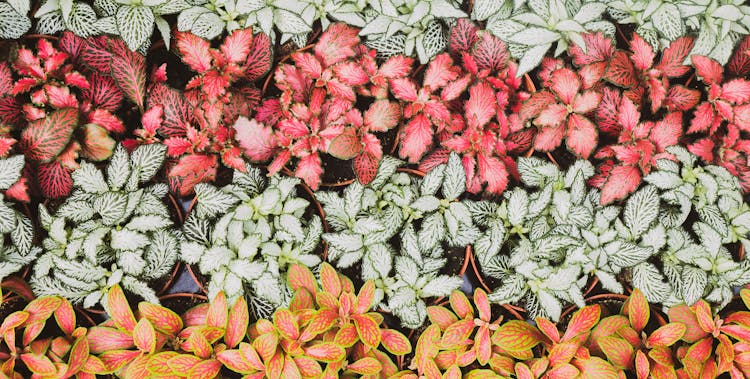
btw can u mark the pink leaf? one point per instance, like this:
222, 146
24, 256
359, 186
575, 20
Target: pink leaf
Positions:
346, 145
404, 89
309, 170
673, 56
256, 139
737, 91
236, 46
629, 115
549, 138
667, 131
382, 115
308, 63
704, 148
552, 116
622, 181
416, 138
195, 51
703, 118
397, 66
582, 136
586, 102
598, 49
739, 64
682, 98
708, 69
494, 172
259, 58
480, 108
106, 120
565, 84
643, 55
439, 72
336, 44
351, 74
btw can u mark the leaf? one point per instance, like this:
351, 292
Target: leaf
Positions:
382, 115
622, 181
641, 210
531, 59
129, 72
135, 24
581, 135
480, 108
163, 319
325, 352
10, 170
119, 309
367, 329
669, 21
239, 318
454, 178
667, 335
144, 336
286, 323
44, 139
395, 342
346, 145
618, 351
365, 366
255, 138
517, 336
582, 321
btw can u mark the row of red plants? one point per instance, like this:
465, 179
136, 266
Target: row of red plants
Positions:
329, 331
64, 99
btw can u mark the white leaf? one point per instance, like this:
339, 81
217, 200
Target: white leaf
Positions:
518, 206
135, 23
10, 171
531, 59
454, 182
590, 12
641, 210
288, 22
534, 36
442, 285
669, 21
127, 240
147, 159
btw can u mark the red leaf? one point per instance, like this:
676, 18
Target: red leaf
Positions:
351, 73
620, 70
309, 170
703, 118
535, 104
256, 139
565, 84
336, 44
129, 72
259, 58
397, 66
195, 51
346, 145
79, 355
490, 53
708, 69
44, 139
582, 135
404, 89
439, 72
739, 64
382, 115
177, 112
480, 108
416, 138
703, 148
367, 329
682, 98
667, 131
622, 181
54, 180
549, 138
598, 49
674, 55
638, 310
463, 36
191, 170
737, 91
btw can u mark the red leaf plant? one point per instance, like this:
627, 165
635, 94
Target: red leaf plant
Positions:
483, 129
62, 351
73, 95
316, 111
713, 346
638, 146
722, 121
637, 72
623, 341
202, 127
10, 112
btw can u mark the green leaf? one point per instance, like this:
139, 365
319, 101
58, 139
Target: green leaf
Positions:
135, 24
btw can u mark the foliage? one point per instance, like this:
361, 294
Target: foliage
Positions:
531, 27
246, 234
134, 21
316, 114
63, 353
68, 102
366, 219
108, 231
721, 122
16, 229
14, 19
204, 124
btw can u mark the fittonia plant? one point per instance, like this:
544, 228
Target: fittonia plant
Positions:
706, 268
110, 230
14, 18
247, 233
424, 213
530, 29
16, 230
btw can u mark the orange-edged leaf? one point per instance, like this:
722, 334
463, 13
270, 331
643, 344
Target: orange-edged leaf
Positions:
523, 371
562, 353
382, 115
159, 363
667, 372
346, 336
308, 367
548, 329
94, 365
208, 369
39, 364
325, 352
482, 302
266, 345
346, 145
42, 140
724, 353
286, 323
461, 305
144, 336
366, 297
740, 332
700, 351
516, 335
608, 326
582, 321
595, 368
452, 372
395, 342
65, 317
290, 369
367, 329
441, 316
40, 309
79, 354
483, 345
301, 300
116, 359
102, 339
642, 365
119, 309
365, 366
563, 371
275, 365
683, 314
249, 354
12, 321
667, 335
301, 277
182, 363
199, 345
618, 351
239, 317
320, 323
745, 295
217, 311
330, 279
704, 316
457, 334
162, 319
638, 310
31, 331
